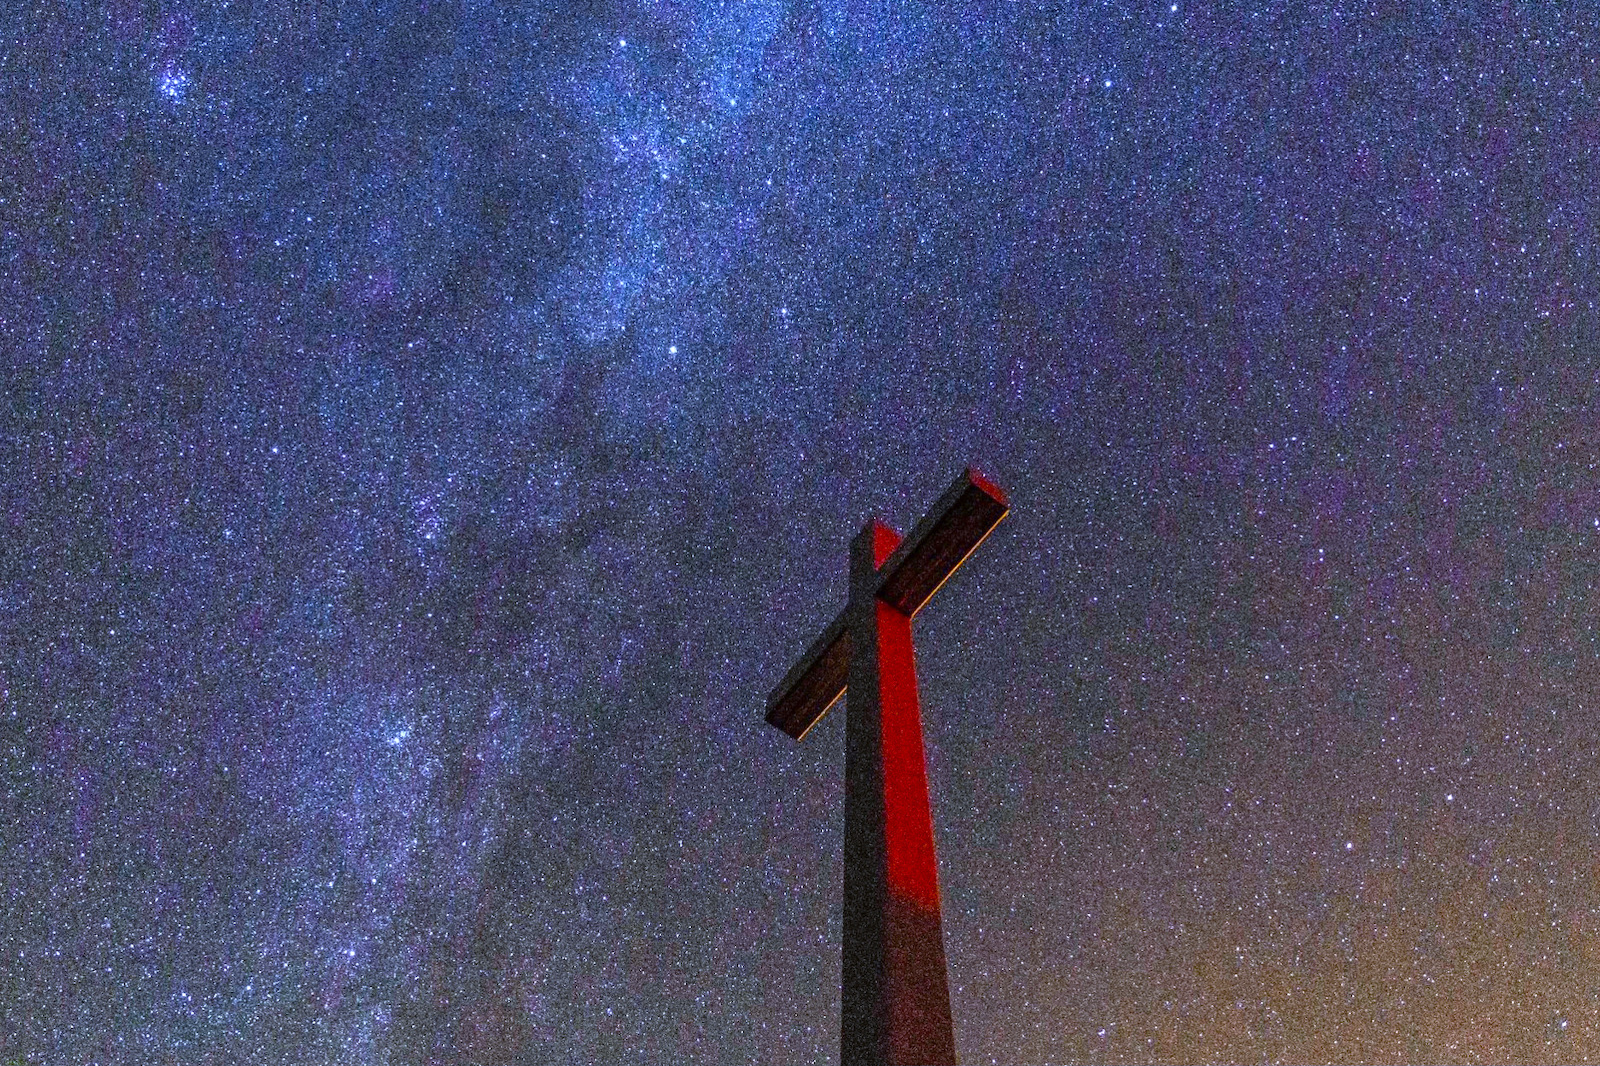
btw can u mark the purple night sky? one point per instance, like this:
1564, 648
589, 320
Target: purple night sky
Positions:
429, 430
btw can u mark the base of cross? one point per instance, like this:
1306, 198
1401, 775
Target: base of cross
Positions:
895, 1004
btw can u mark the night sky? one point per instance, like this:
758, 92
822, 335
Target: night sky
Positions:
428, 432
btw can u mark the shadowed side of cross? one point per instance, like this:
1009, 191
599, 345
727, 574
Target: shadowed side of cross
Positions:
895, 1004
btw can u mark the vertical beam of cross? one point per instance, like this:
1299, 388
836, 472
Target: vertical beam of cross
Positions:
895, 1002
895, 1005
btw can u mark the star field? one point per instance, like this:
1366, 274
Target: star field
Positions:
429, 431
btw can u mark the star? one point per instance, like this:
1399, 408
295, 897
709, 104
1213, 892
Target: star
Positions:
173, 83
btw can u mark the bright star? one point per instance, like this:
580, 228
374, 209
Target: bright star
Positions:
173, 83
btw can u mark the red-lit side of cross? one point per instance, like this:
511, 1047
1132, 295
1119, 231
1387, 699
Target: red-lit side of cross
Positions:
895, 1006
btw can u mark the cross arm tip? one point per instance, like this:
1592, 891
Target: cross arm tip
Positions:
968, 511
815, 683
976, 477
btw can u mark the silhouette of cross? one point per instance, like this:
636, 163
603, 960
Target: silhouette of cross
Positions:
895, 1003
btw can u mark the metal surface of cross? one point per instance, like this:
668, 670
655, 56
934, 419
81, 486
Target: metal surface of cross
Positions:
895, 1002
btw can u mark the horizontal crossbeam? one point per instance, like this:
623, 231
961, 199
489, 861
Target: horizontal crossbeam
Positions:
815, 683
947, 535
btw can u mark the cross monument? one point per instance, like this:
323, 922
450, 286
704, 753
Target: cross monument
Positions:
895, 1002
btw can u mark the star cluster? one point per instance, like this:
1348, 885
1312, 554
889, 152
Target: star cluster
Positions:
429, 430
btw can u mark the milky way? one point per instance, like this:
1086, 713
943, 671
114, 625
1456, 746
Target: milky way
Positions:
429, 431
